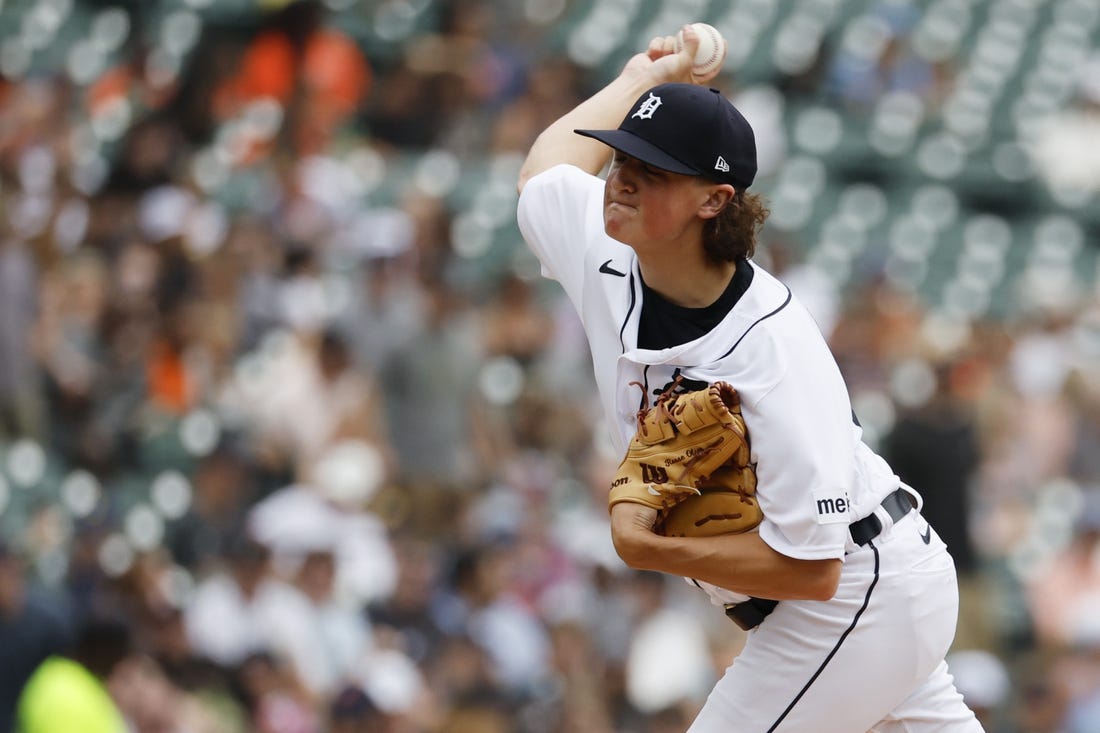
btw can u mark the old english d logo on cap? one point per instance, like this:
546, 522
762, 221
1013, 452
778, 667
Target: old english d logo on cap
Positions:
647, 107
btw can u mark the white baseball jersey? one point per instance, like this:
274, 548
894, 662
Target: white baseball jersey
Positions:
814, 473
815, 476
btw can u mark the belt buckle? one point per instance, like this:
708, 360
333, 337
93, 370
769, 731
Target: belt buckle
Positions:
866, 529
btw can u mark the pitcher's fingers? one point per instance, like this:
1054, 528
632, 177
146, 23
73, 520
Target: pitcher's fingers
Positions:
661, 46
690, 40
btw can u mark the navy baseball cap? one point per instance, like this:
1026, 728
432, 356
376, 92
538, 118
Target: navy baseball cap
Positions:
687, 129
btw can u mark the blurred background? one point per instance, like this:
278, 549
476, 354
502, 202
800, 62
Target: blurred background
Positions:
293, 438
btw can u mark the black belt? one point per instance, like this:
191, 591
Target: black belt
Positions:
749, 614
897, 505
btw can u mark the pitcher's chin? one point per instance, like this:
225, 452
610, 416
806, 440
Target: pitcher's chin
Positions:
614, 224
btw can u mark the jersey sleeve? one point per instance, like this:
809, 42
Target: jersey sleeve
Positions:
560, 214
802, 438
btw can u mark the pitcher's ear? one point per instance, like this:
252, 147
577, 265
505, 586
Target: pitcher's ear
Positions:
720, 196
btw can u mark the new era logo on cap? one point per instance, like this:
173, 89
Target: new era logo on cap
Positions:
697, 132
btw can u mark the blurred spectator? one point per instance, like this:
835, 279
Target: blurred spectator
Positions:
151, 703
461, 672
582, 685
224, 487
150, 150
20, 399
1078, 675
1084, 712
877, 326
880, 60
407, 612
341, 637
1061, 152
551, 92
315, 71
1039, 364
32, 629
485, 607
353, 712
1064, 592
1083, 392
297, 521
515, 323
68, 693
73, 300
475, 70
276, 701
1041, 708
1042, 698
313, 379
983, 681
430, 385
402, 112
934, 448
242, 609
205, 689
655, 683
386, 302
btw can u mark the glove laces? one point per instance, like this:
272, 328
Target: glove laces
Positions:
661, 404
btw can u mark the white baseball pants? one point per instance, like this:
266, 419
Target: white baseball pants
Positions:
871, 660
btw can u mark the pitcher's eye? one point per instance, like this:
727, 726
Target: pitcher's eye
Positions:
621, 159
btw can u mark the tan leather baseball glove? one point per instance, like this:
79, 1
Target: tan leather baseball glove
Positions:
726, 504
689, 459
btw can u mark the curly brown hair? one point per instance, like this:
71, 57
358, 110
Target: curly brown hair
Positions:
732, 234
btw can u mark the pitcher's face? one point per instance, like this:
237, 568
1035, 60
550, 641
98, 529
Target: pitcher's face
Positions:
646, 206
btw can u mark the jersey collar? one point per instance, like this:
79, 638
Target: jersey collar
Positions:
764, 297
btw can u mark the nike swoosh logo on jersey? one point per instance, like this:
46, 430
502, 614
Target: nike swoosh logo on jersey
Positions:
605, 269
927, 534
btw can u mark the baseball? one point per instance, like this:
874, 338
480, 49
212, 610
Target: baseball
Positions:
711, 52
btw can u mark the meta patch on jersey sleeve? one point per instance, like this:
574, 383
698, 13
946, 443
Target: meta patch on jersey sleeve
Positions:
832, 506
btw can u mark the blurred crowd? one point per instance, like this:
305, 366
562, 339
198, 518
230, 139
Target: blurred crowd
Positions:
289, 445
